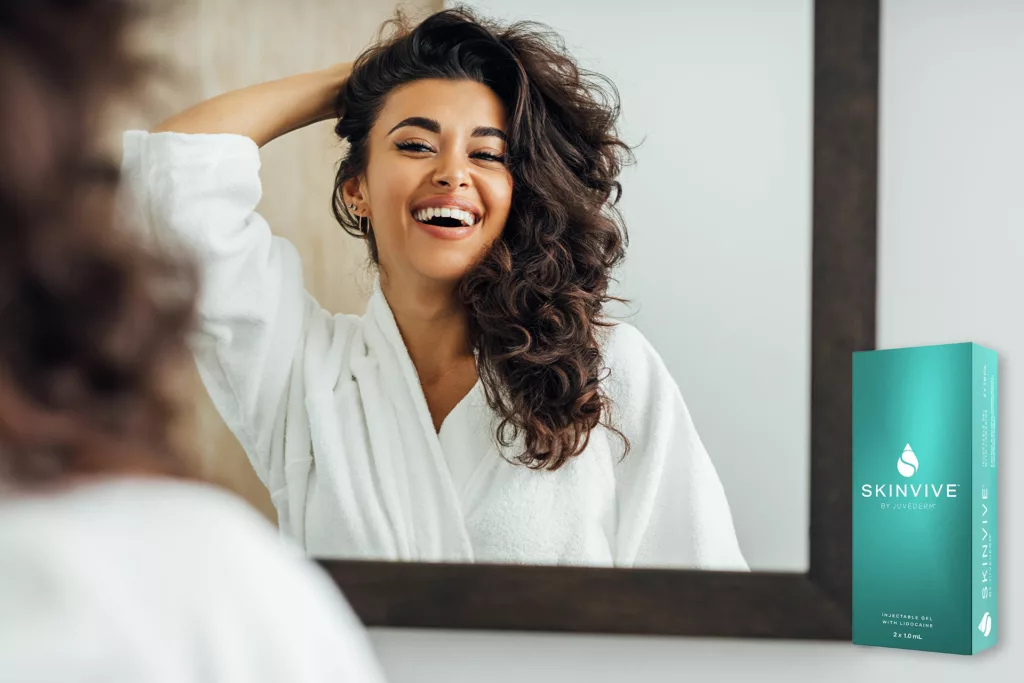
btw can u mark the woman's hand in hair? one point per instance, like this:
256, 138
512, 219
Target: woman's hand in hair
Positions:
337, 74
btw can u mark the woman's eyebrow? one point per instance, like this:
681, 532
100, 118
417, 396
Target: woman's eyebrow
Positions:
418, 122
489, 132
434, 127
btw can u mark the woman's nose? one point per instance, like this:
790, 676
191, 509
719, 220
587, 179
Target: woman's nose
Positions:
452, 172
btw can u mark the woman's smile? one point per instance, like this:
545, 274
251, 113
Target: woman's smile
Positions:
446, 217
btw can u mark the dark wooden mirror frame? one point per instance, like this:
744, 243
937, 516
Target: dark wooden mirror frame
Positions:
815, 604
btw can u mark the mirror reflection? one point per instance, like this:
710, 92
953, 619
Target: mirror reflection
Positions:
477, 290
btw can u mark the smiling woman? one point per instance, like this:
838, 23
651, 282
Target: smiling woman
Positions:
484, 409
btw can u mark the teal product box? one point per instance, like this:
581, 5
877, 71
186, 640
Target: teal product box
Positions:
925, 498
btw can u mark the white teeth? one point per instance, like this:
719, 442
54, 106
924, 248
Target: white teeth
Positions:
424, 215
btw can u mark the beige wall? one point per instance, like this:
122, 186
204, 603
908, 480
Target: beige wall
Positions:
219, 45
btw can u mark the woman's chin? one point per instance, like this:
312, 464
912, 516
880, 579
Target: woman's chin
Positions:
441, 266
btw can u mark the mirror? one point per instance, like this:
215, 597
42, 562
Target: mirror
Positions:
717, 100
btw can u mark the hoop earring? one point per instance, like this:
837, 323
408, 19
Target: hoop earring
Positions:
364, 228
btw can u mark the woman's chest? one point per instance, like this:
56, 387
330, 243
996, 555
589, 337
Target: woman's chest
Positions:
535, 516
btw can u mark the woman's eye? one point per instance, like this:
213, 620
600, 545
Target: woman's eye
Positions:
487, 156
412, 147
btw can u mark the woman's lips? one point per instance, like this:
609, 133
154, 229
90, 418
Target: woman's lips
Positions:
456, 233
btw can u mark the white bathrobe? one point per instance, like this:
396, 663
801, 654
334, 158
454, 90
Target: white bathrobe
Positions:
331, 413
153, 580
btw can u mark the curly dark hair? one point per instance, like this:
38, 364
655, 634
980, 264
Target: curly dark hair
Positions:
535, 301
91, 321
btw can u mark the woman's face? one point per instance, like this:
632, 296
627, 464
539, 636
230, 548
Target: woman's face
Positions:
436, 186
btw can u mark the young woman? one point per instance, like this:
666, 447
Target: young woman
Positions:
116, 563
482, 409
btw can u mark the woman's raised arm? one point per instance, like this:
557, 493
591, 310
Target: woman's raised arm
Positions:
194, 180
265, 111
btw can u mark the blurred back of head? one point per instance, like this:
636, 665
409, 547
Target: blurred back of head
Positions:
92, 322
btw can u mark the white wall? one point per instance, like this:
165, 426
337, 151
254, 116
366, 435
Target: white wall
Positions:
951, 244
717, 95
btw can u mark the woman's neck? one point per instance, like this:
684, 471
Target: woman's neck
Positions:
433, 326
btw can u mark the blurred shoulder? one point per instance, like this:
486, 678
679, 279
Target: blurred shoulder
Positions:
199, 534
151, 557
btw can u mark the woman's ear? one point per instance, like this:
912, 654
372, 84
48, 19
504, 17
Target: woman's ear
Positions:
352, 190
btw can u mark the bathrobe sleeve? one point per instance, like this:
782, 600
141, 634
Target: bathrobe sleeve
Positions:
671, 507
199, 192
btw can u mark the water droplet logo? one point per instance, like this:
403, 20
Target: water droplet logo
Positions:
986, 624
907, 464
